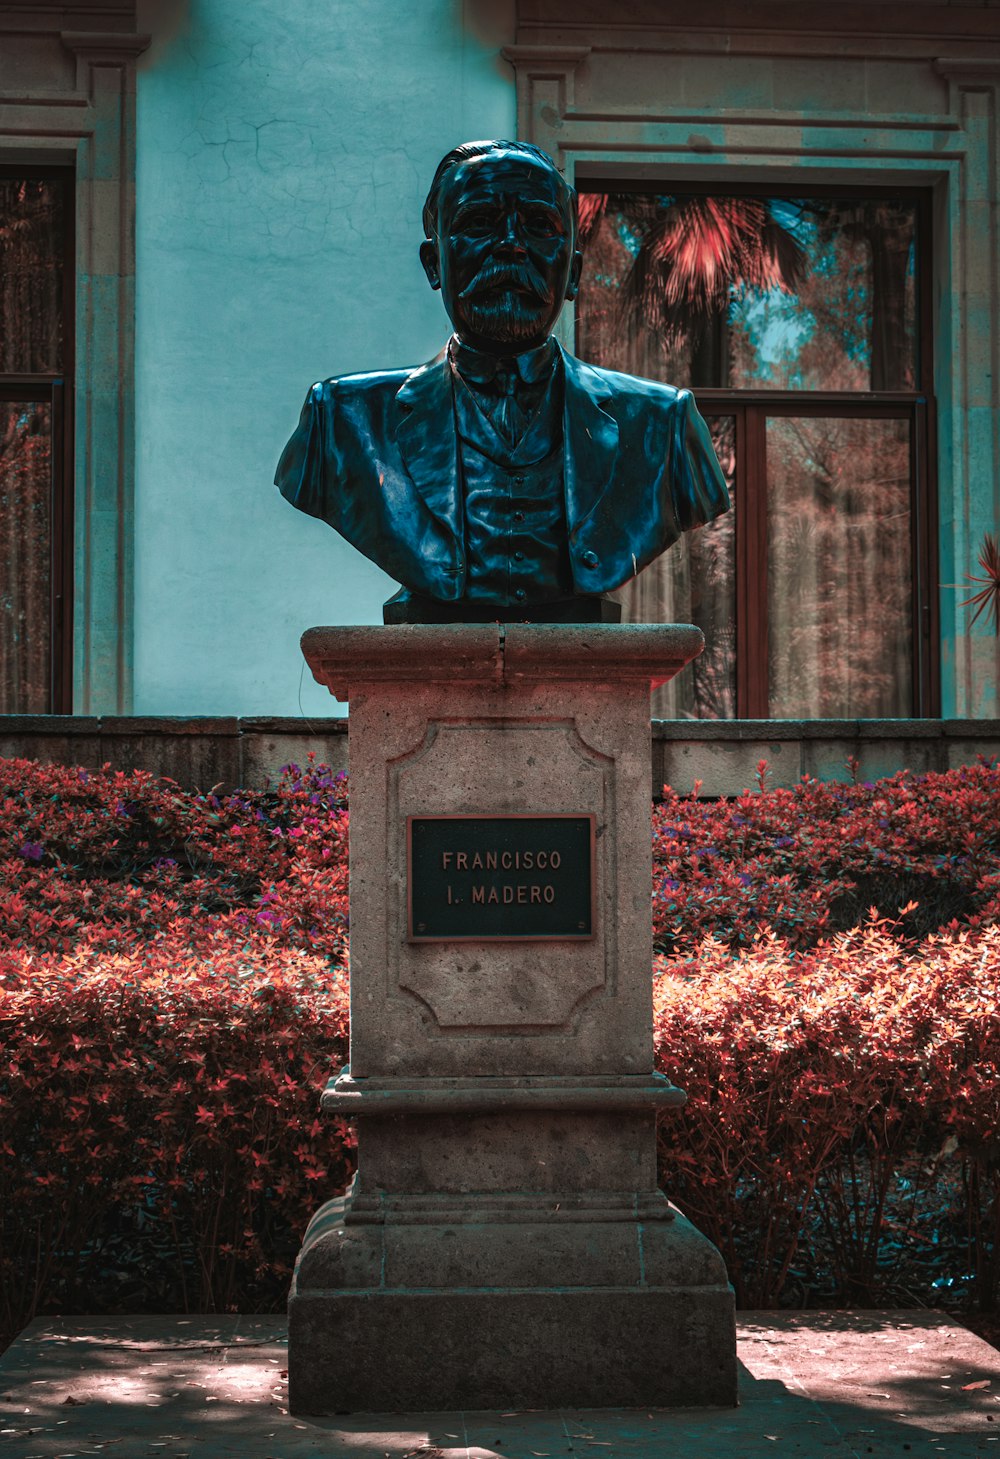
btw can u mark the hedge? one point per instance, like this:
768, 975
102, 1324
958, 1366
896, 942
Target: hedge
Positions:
173, 995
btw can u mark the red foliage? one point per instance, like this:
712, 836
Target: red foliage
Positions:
159, 1132
98, 858
816, 1080
806, 862
173, 995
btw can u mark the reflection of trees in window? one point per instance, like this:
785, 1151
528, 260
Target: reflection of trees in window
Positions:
32, 247
700, 587
839, 575
762, 304
814, 294
25, 551
35, 274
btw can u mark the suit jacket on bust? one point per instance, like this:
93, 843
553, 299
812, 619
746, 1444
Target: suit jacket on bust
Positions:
376, 456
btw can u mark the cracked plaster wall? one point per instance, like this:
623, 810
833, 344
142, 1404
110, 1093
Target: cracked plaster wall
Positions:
284, 151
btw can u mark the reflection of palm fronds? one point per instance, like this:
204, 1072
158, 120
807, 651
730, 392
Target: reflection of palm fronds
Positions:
697, 250
643, 211
988, 598
591, 208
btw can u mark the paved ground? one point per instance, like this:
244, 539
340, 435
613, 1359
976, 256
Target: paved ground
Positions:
816, 1384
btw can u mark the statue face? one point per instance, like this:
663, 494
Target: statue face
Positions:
504, 258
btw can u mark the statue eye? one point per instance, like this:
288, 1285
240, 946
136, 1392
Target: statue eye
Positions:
470, 219
541, 221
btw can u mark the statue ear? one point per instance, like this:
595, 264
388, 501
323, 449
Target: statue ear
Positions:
429, 259
573, 287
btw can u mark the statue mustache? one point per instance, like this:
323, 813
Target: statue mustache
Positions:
499, 274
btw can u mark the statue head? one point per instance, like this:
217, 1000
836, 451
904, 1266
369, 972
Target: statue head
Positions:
500, 226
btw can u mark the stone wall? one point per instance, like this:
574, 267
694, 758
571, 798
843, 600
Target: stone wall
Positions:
723, 755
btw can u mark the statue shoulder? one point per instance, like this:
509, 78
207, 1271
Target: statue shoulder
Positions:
632, 394
346, 388
641, 390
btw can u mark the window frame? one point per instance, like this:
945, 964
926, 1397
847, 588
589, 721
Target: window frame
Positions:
56, 388
751, 408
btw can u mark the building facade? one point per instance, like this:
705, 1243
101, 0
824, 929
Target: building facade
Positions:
205, 206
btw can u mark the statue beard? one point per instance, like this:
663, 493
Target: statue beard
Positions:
509, 319
505, 305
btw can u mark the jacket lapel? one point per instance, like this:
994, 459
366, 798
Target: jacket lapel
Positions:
591, 437
428, 441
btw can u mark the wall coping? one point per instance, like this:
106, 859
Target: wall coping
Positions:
737, 730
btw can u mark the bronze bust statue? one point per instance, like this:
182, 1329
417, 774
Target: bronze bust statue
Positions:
505, 479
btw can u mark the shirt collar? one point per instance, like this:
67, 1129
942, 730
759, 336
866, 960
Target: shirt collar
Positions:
479, 367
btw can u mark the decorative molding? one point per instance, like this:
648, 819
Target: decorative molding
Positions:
104, 45
544, 56
91, 122
545, 84
780, 24
968, 69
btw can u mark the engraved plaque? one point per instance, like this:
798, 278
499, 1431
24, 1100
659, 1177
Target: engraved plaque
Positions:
504, 878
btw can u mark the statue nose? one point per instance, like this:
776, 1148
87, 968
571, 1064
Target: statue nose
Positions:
510, 240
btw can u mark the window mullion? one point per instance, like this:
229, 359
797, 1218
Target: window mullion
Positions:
751, 530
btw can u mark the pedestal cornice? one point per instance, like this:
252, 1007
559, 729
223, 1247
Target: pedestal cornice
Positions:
498, 654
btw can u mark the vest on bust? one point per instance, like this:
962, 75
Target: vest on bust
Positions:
514, 502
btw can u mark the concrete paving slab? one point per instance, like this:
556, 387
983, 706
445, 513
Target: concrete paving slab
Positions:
837, 1385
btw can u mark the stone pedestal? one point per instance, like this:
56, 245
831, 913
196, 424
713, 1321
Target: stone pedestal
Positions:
504, 1242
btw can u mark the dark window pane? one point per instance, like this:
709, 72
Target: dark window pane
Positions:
25, 555
695, 582
784, 293
32, 249
839, 575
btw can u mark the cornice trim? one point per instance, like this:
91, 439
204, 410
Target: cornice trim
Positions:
519, 55
969, 68
107, 45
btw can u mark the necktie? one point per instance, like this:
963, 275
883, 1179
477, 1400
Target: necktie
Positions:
510, 418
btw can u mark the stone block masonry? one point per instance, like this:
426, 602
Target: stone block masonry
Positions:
504, 1242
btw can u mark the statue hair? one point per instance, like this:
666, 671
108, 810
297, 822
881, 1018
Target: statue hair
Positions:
463, 152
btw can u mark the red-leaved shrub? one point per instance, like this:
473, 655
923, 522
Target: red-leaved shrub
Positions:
173, 996
160, 1141
806, 862
828, 1093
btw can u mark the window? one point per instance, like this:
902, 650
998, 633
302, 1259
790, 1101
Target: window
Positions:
801, 323
36, 277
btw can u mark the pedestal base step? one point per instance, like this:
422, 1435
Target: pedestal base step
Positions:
396, 1352
398, 1317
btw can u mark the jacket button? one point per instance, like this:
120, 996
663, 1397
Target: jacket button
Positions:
589, 559
520, 595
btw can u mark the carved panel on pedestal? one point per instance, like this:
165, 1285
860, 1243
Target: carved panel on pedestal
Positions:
497, 767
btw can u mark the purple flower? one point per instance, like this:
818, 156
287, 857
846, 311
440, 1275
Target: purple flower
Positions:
32, 850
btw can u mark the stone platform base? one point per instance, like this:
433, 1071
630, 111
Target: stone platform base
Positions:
813, 1385
565, 1310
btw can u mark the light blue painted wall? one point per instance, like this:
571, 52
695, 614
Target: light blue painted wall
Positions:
284, 153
